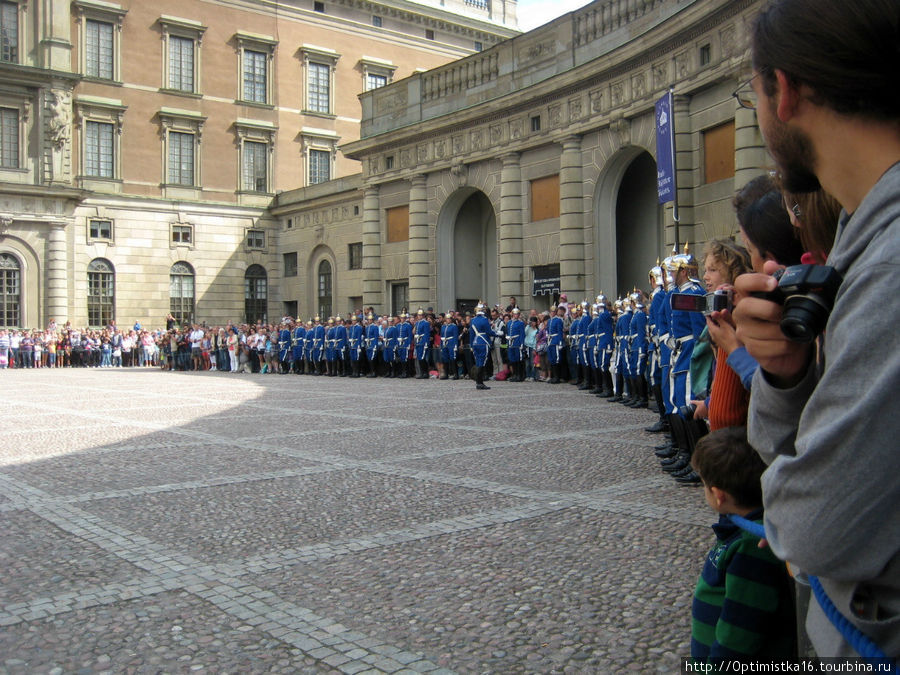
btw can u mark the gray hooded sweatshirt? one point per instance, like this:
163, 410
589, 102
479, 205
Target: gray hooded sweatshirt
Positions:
832, 489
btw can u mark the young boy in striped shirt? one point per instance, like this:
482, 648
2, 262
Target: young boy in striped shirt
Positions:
743, 603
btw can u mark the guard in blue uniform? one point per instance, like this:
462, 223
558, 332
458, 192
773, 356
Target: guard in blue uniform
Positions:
341, 359
555, 337
638, 353
480, 341
391, 342
605, 342
355, 344
318, 352
684, 329
590, 343
515, 346
404, 340
298, 339
585, 372
449, 347
373, 340
657, 324
285, 352
623, 326
329, 348
423, 343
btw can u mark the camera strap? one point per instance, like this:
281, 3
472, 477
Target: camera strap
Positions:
854, 636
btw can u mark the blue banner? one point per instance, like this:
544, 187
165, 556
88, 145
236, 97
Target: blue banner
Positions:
665, 150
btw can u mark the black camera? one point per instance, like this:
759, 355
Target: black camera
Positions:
711, 302
807, 294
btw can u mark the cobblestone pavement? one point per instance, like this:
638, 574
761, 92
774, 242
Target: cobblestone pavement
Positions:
216, 523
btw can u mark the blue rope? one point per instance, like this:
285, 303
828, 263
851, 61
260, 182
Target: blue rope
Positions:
855, 637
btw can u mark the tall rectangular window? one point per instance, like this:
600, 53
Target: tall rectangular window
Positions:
98, 150
255, 64
181, 158
181, 63
355, 251
9, 32
319, 166
319, 98
255, 164
290, 264
9, 138
98, 47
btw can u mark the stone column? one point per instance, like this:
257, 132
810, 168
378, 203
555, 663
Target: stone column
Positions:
511, 258
684, 173
571, 220
57, 276
750, 158
419, 269
373, 284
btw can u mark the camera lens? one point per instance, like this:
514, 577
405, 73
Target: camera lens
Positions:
804, 317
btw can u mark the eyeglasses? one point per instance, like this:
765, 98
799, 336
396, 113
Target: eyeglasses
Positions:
745, 95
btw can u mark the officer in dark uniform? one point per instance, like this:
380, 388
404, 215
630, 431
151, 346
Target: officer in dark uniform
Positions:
605, 343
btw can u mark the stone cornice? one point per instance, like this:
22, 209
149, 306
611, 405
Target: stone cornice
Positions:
434, 17
584, 87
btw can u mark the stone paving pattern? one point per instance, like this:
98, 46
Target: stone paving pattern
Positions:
216, 523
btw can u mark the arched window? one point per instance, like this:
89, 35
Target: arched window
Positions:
10, 291
101, 294
181, 293
324, 289
256, 293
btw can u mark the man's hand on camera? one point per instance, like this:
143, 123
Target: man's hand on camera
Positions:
758, 329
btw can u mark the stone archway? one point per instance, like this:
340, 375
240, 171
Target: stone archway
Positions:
467, 268
628, 221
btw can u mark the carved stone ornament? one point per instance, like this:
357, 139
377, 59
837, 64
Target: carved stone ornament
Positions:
575, 109
476, 139
460, 172
621, 127
660, 75
516, 129
555, 115
597, 100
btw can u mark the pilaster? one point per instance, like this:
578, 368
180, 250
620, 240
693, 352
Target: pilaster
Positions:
511, 247
373, 286
571, 219
419, 269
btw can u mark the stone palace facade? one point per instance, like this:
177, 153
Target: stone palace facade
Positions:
244, 186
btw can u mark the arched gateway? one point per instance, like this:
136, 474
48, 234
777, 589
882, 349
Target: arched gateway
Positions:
466, 251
